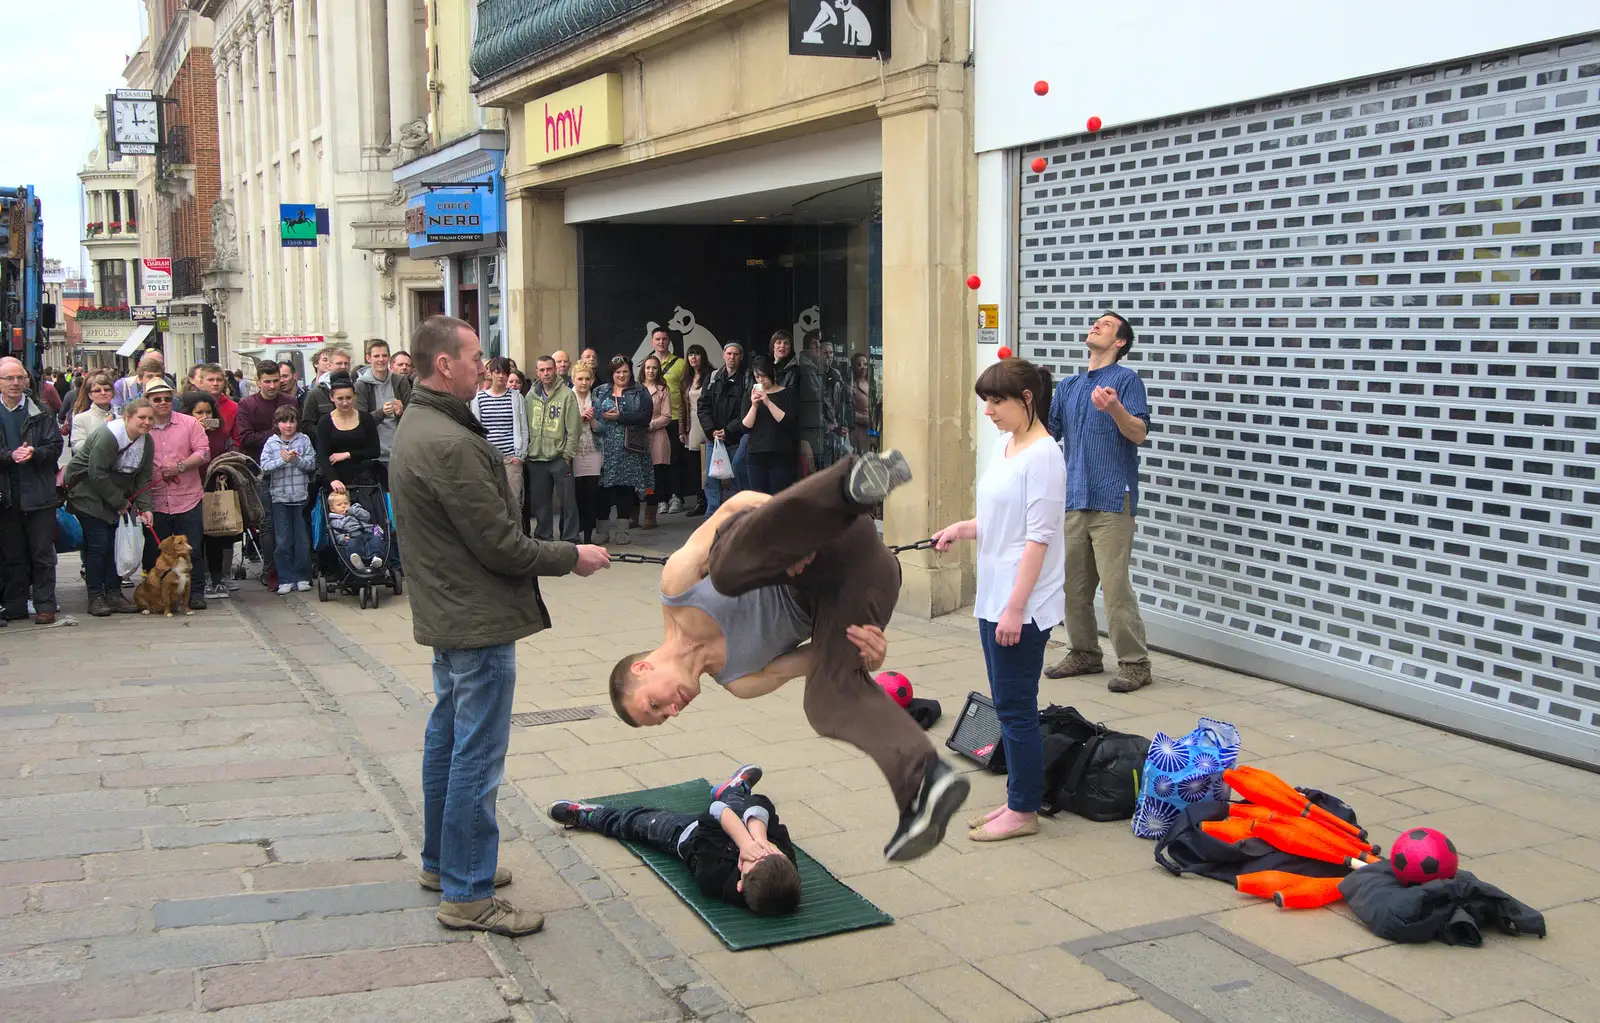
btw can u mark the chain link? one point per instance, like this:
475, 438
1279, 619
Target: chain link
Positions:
661, 559
920, 545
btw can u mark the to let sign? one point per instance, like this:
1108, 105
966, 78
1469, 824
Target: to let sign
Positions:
158, 279
578, 119
839, 28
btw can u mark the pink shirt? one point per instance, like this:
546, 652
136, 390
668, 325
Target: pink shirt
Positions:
182, 438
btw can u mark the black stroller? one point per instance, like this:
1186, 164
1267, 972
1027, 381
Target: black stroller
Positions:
335, 572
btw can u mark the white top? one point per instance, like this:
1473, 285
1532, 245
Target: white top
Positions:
1020, 498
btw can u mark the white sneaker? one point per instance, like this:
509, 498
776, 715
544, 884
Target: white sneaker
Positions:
376, 562
216, 591
355, 559
302, 586
620, 538
284, 588
231, 584
674, 506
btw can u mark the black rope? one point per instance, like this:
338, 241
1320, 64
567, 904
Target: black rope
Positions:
661, 559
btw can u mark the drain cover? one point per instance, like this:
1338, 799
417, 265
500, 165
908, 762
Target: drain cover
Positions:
1199, 973
555, 717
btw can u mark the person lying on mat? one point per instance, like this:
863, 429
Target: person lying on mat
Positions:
737, 850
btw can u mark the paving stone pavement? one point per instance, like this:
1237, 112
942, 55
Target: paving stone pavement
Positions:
223, 824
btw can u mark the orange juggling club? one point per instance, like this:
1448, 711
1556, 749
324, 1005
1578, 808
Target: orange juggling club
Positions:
1266, 789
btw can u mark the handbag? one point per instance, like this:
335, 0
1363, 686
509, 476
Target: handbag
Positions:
129, 544
69, 531
1089, 770
721, 467
1182, 771
636, 439
222, 514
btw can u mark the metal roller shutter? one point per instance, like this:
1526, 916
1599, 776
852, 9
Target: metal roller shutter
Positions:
1369, 320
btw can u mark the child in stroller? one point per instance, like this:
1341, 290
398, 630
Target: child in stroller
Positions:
354, 535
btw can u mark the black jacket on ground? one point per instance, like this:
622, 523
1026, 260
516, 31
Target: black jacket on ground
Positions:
723, 402
31, 486
713, 859
1453, 910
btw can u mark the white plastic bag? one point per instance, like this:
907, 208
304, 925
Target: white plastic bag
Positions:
721, 467
129, 545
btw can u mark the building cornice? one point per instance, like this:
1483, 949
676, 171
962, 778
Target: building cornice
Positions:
462, 151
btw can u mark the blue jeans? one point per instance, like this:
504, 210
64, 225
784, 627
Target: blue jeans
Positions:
99, 555
1014, 687
292, 543
741, 458
363, 543
463, 760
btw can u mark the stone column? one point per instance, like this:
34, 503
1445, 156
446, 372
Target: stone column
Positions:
251, 210
271, 250
541, 276
405, 76
305, 60
292, 261
929, 175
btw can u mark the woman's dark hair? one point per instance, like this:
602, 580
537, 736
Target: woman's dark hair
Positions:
85, 385
516, 381
1012, 379
703, 373
763, 365
194, 399
648, 359
340, 381
621, 362
501, 364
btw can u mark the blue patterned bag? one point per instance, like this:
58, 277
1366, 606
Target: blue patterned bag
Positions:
1184, 770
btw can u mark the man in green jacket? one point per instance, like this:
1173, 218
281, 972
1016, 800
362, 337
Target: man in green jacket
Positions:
474, 592
553, 423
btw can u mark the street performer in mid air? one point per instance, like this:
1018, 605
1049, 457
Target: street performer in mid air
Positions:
758, 580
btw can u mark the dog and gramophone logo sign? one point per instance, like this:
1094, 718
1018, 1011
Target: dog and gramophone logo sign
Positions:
839, 28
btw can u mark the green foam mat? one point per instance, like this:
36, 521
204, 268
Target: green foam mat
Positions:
827, 904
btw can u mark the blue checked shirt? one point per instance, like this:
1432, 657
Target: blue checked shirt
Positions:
1102, 464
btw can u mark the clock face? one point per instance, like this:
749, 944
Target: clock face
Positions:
134, 121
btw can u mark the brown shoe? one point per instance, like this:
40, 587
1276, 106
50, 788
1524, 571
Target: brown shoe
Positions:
502, 877
118, 604
1077, 662
1130, 675
45, 618
98, 606
494, 914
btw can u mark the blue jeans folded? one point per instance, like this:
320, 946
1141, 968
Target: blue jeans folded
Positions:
1014, 687
463, 761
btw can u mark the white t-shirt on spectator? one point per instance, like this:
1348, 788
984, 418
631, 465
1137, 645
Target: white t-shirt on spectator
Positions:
1022, 498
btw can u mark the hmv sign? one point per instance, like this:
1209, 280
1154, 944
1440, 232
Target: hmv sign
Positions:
839, 28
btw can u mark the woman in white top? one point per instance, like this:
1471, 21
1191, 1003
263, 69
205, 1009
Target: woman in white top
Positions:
92, 410
1021, 581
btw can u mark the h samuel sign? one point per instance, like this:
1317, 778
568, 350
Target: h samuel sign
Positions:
578, 119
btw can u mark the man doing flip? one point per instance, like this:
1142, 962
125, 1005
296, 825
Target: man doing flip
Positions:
760, 578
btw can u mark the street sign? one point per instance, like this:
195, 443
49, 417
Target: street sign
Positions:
988, 324
298, 225
158, 279
839, 28
143, 313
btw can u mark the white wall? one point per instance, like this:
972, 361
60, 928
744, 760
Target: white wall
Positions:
1135, 59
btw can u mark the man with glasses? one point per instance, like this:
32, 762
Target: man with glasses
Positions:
30, 445
181, 451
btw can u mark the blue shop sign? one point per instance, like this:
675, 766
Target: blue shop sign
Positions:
457, 212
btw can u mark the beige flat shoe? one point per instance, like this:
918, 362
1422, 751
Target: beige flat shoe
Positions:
977, 822
978, 834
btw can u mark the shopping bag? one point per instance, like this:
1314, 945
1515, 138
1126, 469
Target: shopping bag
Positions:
223, 516
69, 531
1184, 770
129, 545
721, 467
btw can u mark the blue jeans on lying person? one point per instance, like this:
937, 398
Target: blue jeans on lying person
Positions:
463, 761
1014, 687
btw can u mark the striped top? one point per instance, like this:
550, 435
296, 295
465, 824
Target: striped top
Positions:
496, 415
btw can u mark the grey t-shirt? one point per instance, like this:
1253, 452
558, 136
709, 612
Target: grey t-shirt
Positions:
383, 391
757, 627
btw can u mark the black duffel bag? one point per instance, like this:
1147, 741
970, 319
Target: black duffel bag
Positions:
1089, 769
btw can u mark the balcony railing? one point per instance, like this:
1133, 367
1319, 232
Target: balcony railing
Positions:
176, 152
186, 275
510, 31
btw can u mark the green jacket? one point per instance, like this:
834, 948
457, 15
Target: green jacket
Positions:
552, 423
99, 491
471, 571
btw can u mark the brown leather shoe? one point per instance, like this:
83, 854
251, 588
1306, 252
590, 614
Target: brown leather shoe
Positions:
45, 618
1077, 662
118, 604
1131, 675
494, 914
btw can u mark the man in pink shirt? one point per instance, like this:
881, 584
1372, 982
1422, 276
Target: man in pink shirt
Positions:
181, 451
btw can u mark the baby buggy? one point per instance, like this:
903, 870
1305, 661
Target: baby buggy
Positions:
335, 572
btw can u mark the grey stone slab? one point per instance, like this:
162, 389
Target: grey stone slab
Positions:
267, 907
30, 929
48, 846
368, 930
236, 754
45, 709
179, 795
84, 801
175, 950
371, 846
110, 820
457, 1001
1199, 973
267, 830
40, 966
576, 956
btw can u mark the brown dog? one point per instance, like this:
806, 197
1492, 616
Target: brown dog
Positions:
166, 587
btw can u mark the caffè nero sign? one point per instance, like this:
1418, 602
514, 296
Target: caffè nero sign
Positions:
839, 28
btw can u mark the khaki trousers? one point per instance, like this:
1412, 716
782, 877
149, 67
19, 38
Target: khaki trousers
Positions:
514, 478
1099, 546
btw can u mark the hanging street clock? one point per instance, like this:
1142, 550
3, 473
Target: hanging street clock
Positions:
135, 121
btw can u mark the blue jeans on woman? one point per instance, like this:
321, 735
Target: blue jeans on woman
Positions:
292, 542
463, 761
99, 555
1014, 687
